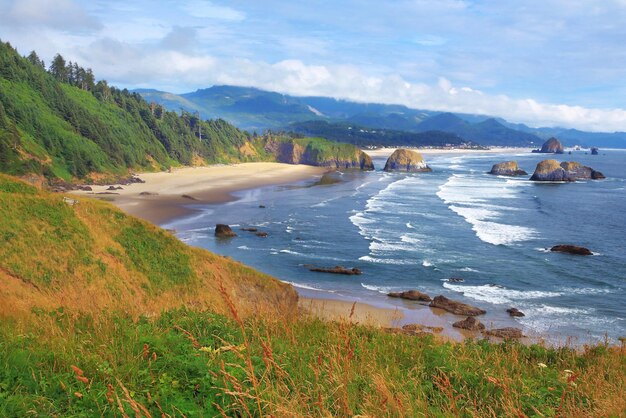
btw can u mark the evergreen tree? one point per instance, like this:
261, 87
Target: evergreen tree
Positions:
35, 60
58, 68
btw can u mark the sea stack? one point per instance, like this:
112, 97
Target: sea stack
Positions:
594, 151
551, 146
405, 160
507, 168
552, 170
224, 231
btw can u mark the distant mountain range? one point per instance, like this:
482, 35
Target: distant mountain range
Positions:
253, 109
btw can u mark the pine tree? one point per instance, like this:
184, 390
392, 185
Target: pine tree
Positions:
35, 60
58, 68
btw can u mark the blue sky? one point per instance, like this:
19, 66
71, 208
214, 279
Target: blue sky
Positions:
544, 63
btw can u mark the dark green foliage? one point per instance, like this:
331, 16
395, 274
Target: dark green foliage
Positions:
359, 135
63, 124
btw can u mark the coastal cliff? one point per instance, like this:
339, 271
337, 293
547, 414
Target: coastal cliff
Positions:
317, 152
407, 161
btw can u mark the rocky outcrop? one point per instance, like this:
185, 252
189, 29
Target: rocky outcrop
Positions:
337, 270
552, 170
224, 231
470, 323
506, 333
515, 312
594, 151
551, 146
326, 154
581, 171
571, 249
507, 168
406, 161
411, 295
457, 308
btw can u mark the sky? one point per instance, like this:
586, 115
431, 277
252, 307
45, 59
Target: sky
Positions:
539, 62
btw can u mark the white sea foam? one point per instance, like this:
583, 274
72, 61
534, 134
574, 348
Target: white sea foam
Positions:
308, 287
498, 295
410, 239
379, 289
244, 247
385, 260
408, 225
427, 263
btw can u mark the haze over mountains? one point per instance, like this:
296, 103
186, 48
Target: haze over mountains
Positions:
253, 109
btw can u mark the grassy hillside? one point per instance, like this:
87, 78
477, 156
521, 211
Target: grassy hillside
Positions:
102, 314
87, 255
64, 129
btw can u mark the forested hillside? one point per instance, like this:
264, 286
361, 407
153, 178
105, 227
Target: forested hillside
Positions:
62, 124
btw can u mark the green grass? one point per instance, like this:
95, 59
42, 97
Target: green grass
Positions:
189, 363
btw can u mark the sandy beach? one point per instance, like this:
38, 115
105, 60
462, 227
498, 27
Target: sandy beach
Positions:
166, 196
386, 152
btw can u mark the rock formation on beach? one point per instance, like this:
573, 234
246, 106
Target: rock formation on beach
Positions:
506, 333
224, 231
507, 168
411, 295
552, 170
457, 308
470, 323
551, 146
407, 161
571, 249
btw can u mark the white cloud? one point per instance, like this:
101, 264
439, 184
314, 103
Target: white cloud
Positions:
64, 15
208, 10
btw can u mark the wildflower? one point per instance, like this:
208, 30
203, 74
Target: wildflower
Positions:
568, 372
542, 365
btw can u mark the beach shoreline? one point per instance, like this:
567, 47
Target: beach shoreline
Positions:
386, 152
165, 196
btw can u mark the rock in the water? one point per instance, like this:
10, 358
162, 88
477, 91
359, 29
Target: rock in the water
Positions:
470, 323
594, 151
411, 295
337, 270
507, 168
581, 171
261, 234
407, 161
457, 308
515, 312
224, 231
551, 146
249, 229
506, 333
571, 249
551, 170
456, 280
261, 206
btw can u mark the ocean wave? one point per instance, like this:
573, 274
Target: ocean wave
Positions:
498, 295
408, 225
469, 269
313, 256
380, 289
385, 260
308, 287
410, 239
427, 263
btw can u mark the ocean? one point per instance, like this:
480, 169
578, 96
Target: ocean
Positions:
416, 231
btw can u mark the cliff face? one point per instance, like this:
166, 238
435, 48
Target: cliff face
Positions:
507, 168
318, 152
552, 170
407, 161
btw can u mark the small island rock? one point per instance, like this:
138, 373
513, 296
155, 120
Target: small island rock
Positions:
551, 146
552, 170
515, 312
470, 323
337, 270
507, 168
594, 151
224, 231
571, 249
457, 308
407, 161
411, 295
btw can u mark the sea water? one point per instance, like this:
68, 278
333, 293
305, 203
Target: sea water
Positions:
416, 231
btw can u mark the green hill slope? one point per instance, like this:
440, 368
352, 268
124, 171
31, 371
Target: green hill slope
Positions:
60, 128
